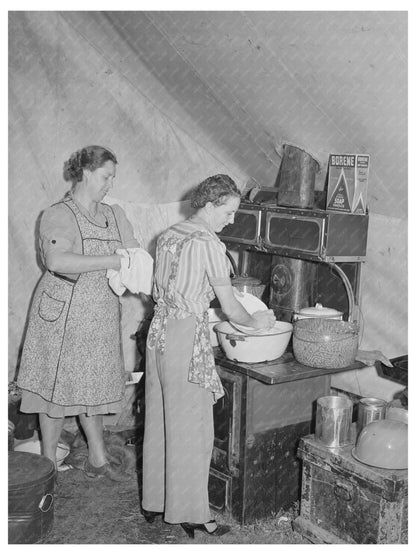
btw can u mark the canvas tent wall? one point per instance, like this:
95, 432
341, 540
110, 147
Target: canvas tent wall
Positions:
183, 95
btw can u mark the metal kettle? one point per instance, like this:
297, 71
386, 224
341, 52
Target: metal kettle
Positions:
248, 284
243, 282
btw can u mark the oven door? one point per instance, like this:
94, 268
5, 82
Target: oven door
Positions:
227, 423
245, 229
298, 235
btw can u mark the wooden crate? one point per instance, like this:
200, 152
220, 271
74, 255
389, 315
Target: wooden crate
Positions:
345, 501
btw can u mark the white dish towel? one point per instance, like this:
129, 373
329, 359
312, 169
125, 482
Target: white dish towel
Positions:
135, 274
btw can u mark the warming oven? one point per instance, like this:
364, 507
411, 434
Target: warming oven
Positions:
317, 235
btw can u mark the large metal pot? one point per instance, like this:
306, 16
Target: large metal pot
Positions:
324, 343
243, 347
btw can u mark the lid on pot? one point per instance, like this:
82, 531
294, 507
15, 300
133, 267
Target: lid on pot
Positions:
319, 311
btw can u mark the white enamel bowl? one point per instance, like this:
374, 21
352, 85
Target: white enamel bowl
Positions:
243, 347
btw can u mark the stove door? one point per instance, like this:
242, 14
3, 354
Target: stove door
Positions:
227, 423
245, 229
300, 236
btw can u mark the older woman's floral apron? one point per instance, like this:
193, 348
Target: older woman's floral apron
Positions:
72, 353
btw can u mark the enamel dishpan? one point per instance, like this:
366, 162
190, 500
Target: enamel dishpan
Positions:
261, 347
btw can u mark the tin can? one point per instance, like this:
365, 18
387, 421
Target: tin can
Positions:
369, 410
296, 178
333, 421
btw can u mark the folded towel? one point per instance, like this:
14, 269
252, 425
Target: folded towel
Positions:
135, 274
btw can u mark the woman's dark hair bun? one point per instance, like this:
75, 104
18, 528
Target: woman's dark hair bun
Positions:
72, 170
90, 157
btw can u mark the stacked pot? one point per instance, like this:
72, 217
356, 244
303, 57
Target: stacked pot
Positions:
321, 339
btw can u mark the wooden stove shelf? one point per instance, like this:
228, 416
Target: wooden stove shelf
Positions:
281, 370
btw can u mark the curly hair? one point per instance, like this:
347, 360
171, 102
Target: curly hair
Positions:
216, 189
90, 158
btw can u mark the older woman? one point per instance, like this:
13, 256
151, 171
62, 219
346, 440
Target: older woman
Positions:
181, 381
72, 362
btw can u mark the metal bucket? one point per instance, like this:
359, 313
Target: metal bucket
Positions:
333, 421
369, 410
296, 182
31, 497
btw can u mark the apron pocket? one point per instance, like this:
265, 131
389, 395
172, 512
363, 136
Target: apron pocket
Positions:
49, 308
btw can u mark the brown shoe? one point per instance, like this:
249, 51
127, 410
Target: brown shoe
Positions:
105, 471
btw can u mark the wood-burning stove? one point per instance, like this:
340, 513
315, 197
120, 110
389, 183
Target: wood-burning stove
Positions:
303, 257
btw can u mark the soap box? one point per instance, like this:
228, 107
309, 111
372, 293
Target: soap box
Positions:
348, 183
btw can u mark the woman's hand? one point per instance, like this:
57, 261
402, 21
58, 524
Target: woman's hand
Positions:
263, 319
235, 312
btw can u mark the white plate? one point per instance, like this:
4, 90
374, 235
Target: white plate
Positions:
250, 302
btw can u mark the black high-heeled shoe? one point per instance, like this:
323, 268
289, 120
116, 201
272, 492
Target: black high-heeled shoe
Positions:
190, 528
150, 516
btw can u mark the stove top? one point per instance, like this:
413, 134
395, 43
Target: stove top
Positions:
281, 370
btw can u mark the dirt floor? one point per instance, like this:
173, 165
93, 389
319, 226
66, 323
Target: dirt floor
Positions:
99, 511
